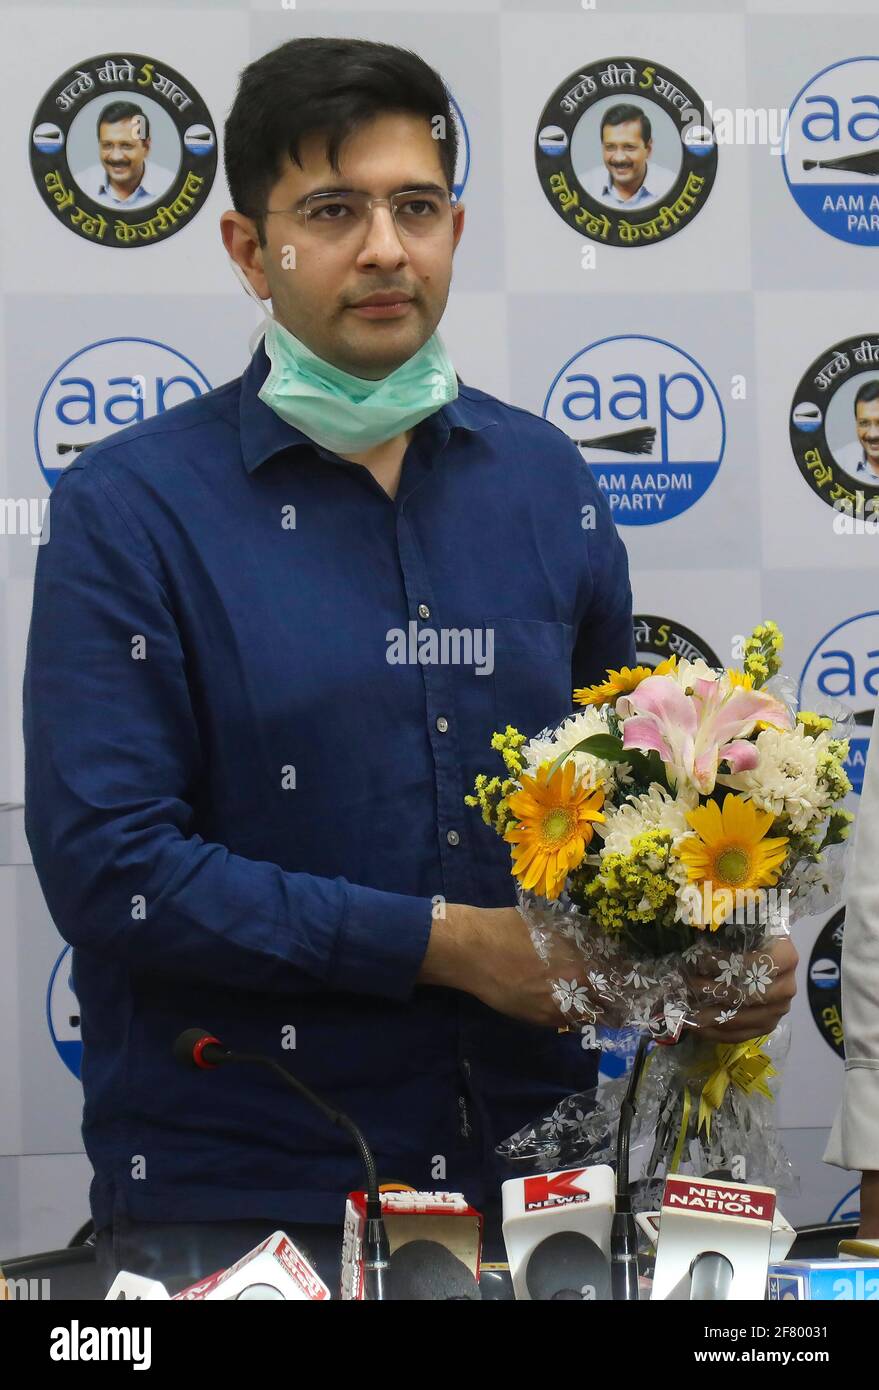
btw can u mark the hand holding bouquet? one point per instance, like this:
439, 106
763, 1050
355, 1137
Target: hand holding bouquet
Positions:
665, 836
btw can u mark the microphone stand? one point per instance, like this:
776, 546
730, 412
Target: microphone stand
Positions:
376, 1247
623, 1231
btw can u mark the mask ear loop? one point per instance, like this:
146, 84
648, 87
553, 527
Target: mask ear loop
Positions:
260, 328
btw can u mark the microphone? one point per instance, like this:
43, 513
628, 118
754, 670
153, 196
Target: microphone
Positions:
196, 1048
575, 1203
567, 1266
711, 1276
425, 1271
714, 1240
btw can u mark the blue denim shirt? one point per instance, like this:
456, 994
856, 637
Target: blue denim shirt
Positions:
243, 812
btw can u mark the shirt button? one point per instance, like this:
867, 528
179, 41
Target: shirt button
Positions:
423, 610
453, 837
442, 724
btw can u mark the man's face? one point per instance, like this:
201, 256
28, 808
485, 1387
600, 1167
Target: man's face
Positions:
315, 290
867, 424
123, 152
625, 154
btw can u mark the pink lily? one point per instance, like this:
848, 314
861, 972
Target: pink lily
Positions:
693, 734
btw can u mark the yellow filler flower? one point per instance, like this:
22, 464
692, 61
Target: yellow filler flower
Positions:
730, 852
554, 827
621, 682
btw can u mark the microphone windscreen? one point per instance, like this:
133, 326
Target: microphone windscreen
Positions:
711, 1276
568, 1266
425, 1271
185, 1043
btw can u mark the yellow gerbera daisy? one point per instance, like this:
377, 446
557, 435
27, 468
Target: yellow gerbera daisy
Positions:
621, 682
554, 827
729, 851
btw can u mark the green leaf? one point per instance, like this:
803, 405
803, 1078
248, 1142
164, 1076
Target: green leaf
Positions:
599, 745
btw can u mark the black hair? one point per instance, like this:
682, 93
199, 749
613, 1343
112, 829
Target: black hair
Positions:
868, 392
624, 111
117, 111
328, 85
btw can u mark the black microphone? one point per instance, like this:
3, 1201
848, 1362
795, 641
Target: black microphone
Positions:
199, 1049
567, 1266
425, 1271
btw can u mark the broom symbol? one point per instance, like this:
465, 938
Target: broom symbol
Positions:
637, 441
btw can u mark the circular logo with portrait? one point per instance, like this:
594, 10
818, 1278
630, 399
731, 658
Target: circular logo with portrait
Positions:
830, 150
647, 419
123, 150
834, 426
825, 982
656, 639
626, 152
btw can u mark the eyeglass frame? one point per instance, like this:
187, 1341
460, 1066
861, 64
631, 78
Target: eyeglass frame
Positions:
328, 194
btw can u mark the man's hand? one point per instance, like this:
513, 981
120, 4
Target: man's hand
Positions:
767, 1010
488, 952
869, 1227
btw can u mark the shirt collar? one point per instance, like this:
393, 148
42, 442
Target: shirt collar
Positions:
610, 189
141, 192
264, 434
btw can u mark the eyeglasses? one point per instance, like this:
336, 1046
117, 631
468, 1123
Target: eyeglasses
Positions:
339, 216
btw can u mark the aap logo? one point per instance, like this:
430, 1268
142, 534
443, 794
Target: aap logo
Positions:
848, 1208
831, 144
462, 163
104, 388
648, 420
62, 1013
844, 666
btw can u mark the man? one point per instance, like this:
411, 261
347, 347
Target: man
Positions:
124, 177
247, 815
861, 457
854, 1139
629, 176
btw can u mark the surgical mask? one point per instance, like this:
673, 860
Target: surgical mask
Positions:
343, 413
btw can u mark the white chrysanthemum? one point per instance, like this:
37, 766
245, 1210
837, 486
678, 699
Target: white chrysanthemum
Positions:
589, 771
686, 673
785, 780
651, 810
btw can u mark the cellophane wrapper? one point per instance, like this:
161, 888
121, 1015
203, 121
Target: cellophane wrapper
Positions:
742, 1141
657, 981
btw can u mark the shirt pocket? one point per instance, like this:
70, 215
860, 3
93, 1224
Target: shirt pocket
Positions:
531, 678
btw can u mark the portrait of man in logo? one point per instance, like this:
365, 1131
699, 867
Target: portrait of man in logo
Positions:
625, 152
123, 150
859, 457
630, 173
834, 425
125, 168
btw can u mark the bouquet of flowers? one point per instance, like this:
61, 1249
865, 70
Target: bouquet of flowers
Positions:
661, 837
